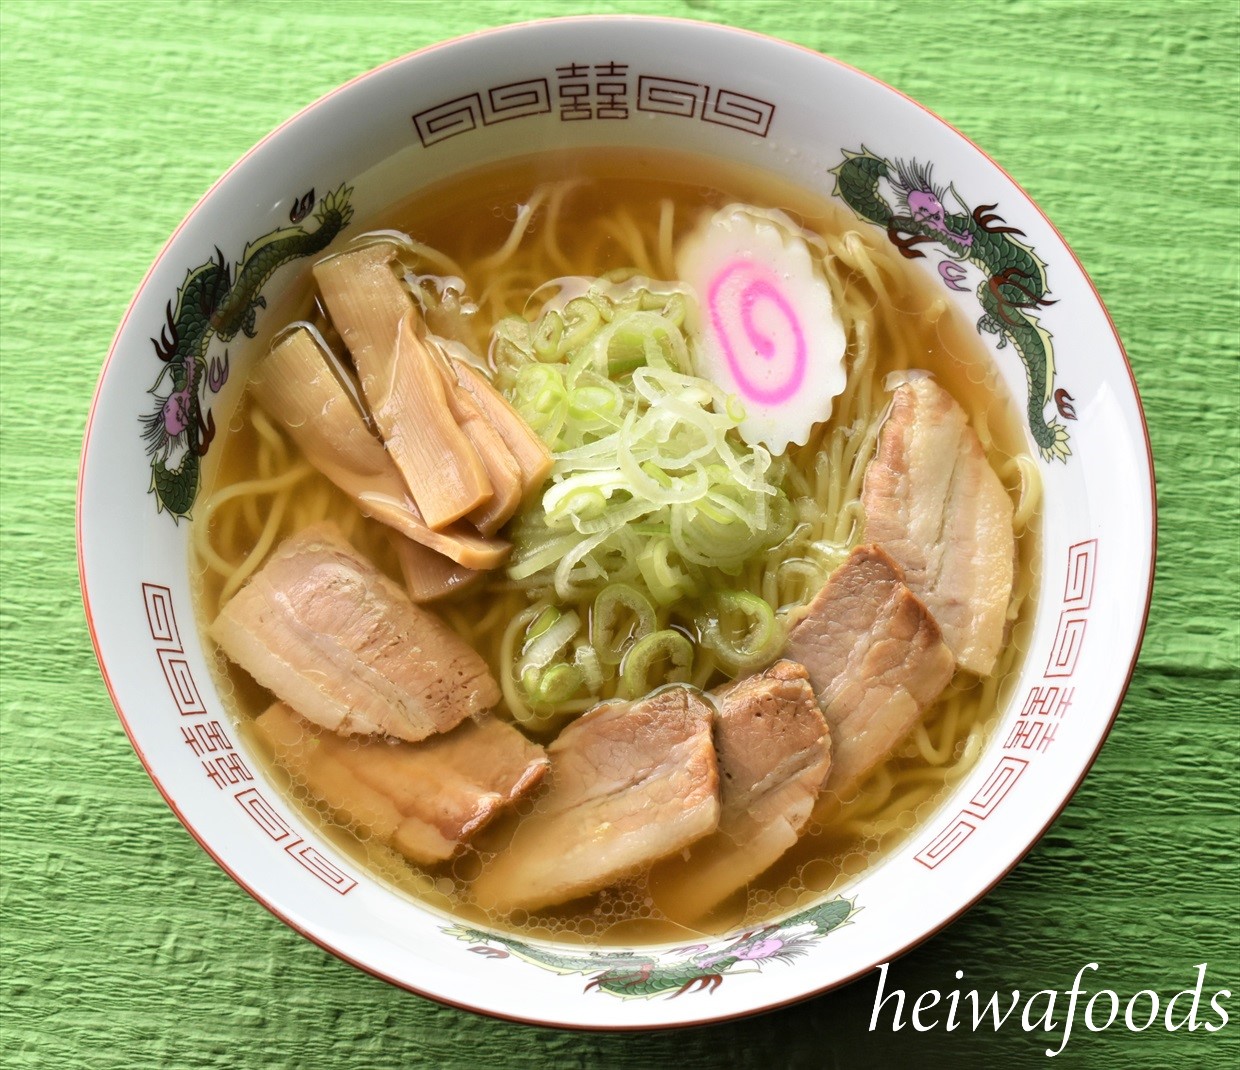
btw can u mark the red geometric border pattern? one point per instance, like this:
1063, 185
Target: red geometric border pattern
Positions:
263, 813
159, 616
209, 738
599, 91
670, 96
181, 682
946, 842
1050, 701
1069, 638
997, 785
220, 762
1045, 706
1031, 733
321, 866
500, 104
161, 619
1079, 585
739, 111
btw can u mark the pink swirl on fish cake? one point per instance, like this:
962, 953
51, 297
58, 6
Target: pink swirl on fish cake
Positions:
743, 286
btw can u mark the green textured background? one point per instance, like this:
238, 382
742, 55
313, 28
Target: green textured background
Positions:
125, 946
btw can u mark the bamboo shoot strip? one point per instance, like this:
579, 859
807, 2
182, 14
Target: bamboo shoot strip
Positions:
375, 315
528, 450
429, 575
502, 469
297, 387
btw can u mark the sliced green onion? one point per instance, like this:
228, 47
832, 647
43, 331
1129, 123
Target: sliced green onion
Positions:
742, 631
660, 658
675, 308
542, 622
621, 615
583, 319
578, 570
797, 580
665, 581
534, 558
580, 498
586, 661
651, 485
590, 401
529, 680
540, 650
558, 684
547, 338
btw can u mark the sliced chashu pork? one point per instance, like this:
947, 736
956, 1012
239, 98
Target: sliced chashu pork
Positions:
423, 799
936, 506
324, 630
876, 660
774, 753
631, 782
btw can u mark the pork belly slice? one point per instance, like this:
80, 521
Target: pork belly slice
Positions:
774, 754
300, 385
324, 630
936, 506
378, 321
423, 799
631, 782
876, 660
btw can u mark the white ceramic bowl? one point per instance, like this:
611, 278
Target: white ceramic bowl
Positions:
694, 87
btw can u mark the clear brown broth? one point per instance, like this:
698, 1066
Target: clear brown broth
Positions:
472, 215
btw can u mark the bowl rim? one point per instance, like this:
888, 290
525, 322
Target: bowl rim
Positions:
818, 989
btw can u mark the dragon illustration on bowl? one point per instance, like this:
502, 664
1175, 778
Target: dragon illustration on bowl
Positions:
1014, 285
217, 300
672, 973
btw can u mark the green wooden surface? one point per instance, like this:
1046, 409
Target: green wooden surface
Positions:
125, 946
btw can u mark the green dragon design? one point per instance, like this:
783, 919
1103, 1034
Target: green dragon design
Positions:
214, 302
1015, 277
699, 967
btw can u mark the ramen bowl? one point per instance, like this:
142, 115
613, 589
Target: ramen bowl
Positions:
639, 84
